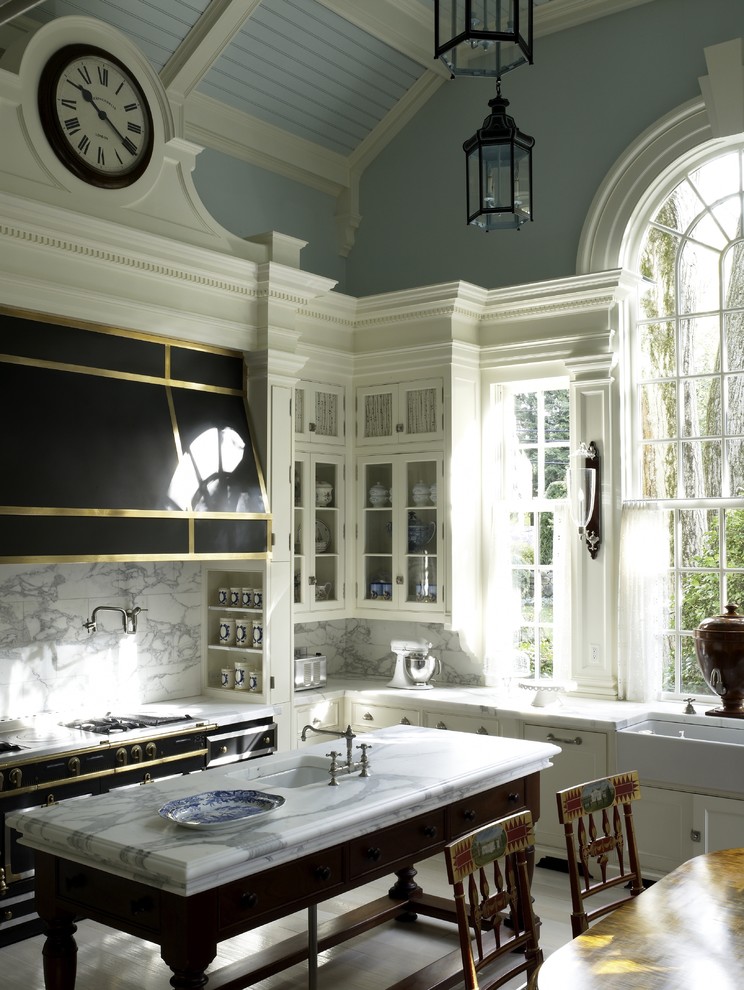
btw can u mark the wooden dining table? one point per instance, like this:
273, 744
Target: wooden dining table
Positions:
686, 932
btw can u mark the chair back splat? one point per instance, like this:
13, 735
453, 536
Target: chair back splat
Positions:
597, 819
488, 872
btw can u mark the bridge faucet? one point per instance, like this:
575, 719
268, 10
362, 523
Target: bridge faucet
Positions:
347, 734
128, 618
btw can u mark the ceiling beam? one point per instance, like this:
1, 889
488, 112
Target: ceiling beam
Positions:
14, 8
204, 43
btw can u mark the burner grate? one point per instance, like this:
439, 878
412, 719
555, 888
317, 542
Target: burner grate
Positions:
124, 723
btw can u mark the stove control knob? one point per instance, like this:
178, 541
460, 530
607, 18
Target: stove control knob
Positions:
151, 751
121, 757
73, 765
136, 753
15, 777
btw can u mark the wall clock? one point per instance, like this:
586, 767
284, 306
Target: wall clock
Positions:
95, 116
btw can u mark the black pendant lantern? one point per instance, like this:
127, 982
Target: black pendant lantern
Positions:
499, 171
483, 37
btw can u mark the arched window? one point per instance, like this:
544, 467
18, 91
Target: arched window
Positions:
685, 359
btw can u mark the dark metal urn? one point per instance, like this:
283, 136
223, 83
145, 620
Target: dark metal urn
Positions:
719, 644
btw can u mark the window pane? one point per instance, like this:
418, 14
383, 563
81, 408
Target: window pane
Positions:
701, 407
546, 538
734, 529
556, 465
680, 208
699, 283
701, 597
525, 416
735, 473
735, 405
546, 653
546, 598
658, 350
556, 416
524, 582
659, 470
700, 345
659, 411
699, 543
658, 264
735, 590
522, 538
717, 178
734, 325
701, 468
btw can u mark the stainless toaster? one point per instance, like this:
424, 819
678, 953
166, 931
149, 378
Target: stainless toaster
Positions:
309, 672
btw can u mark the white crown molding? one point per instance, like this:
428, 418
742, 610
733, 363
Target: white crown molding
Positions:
560, 15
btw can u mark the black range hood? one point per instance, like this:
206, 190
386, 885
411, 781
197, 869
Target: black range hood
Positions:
121, 446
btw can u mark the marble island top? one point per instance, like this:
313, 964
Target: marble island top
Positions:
413, 770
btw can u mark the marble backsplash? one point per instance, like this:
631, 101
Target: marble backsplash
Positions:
361, 648
49, 662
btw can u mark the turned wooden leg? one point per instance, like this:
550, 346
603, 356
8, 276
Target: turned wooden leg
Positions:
188, 980
405, 889
60, 955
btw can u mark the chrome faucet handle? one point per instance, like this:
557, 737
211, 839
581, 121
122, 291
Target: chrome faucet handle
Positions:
334, 769
364, 759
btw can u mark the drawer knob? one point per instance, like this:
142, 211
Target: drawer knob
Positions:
249, 899
374, 853
368, 716
483, 731
469, 815
323, 872
430, 831
405, 721
76, 882
441, 725
513, 797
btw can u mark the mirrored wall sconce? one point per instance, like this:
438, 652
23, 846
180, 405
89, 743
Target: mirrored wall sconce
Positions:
583, 487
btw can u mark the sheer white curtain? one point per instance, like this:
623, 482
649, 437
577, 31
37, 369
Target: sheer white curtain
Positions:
503, 607
643, 600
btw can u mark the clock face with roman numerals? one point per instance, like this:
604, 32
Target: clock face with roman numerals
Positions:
95, 116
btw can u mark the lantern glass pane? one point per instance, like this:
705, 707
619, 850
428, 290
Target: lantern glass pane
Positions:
483, 37
497, 177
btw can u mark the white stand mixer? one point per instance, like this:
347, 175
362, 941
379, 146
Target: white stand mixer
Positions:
414, 667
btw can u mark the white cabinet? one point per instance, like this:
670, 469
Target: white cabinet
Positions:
583, 757
322, 714
319, 532
400, 533
319, 413
663, 824
717, 823
400, 413
365, 716
236, 639
482, 725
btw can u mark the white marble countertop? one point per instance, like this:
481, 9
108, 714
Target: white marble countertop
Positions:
413, 770
586, 713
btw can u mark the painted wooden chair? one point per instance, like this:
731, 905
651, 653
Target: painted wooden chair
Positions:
597, 818
494, 916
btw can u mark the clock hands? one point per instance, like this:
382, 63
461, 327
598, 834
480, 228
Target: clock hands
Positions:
102, 115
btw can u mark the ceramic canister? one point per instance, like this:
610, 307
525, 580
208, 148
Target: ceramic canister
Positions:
241, 676
257, 633
227, 631
243, 632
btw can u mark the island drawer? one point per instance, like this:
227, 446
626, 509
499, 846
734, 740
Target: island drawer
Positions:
366, 717
463, 816
135, 906
402, 843
272, 890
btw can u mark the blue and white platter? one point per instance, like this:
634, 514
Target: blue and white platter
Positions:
220, 809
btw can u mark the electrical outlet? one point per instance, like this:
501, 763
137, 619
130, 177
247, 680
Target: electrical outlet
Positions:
594, 650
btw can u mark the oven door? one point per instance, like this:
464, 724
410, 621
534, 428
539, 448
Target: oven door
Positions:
18, 860
246, 742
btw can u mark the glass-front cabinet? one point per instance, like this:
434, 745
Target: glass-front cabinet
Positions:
319, 413
401, 533
399, 413
319, 532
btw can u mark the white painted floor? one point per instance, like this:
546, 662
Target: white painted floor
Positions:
108, 960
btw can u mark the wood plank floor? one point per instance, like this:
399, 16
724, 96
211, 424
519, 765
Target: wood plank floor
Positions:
108, 960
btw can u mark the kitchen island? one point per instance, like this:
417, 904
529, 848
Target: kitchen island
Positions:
116, 860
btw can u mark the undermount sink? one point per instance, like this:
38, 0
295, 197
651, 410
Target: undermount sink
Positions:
297, 771
684, 753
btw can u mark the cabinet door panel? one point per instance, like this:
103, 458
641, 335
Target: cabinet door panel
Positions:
583, 757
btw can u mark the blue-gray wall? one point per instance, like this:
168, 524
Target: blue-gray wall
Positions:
592, 91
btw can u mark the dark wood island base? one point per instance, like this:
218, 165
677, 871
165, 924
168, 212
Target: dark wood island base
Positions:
188, 929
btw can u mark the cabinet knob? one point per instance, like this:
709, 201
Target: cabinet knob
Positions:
441, 725
405, 721
368, 716
513, 797
374, 853
223, 750
469, 815
430, 831
248, 899
483, 731
323, 872
141, 906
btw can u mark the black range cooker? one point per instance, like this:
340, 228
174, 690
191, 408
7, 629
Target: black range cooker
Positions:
43, 760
